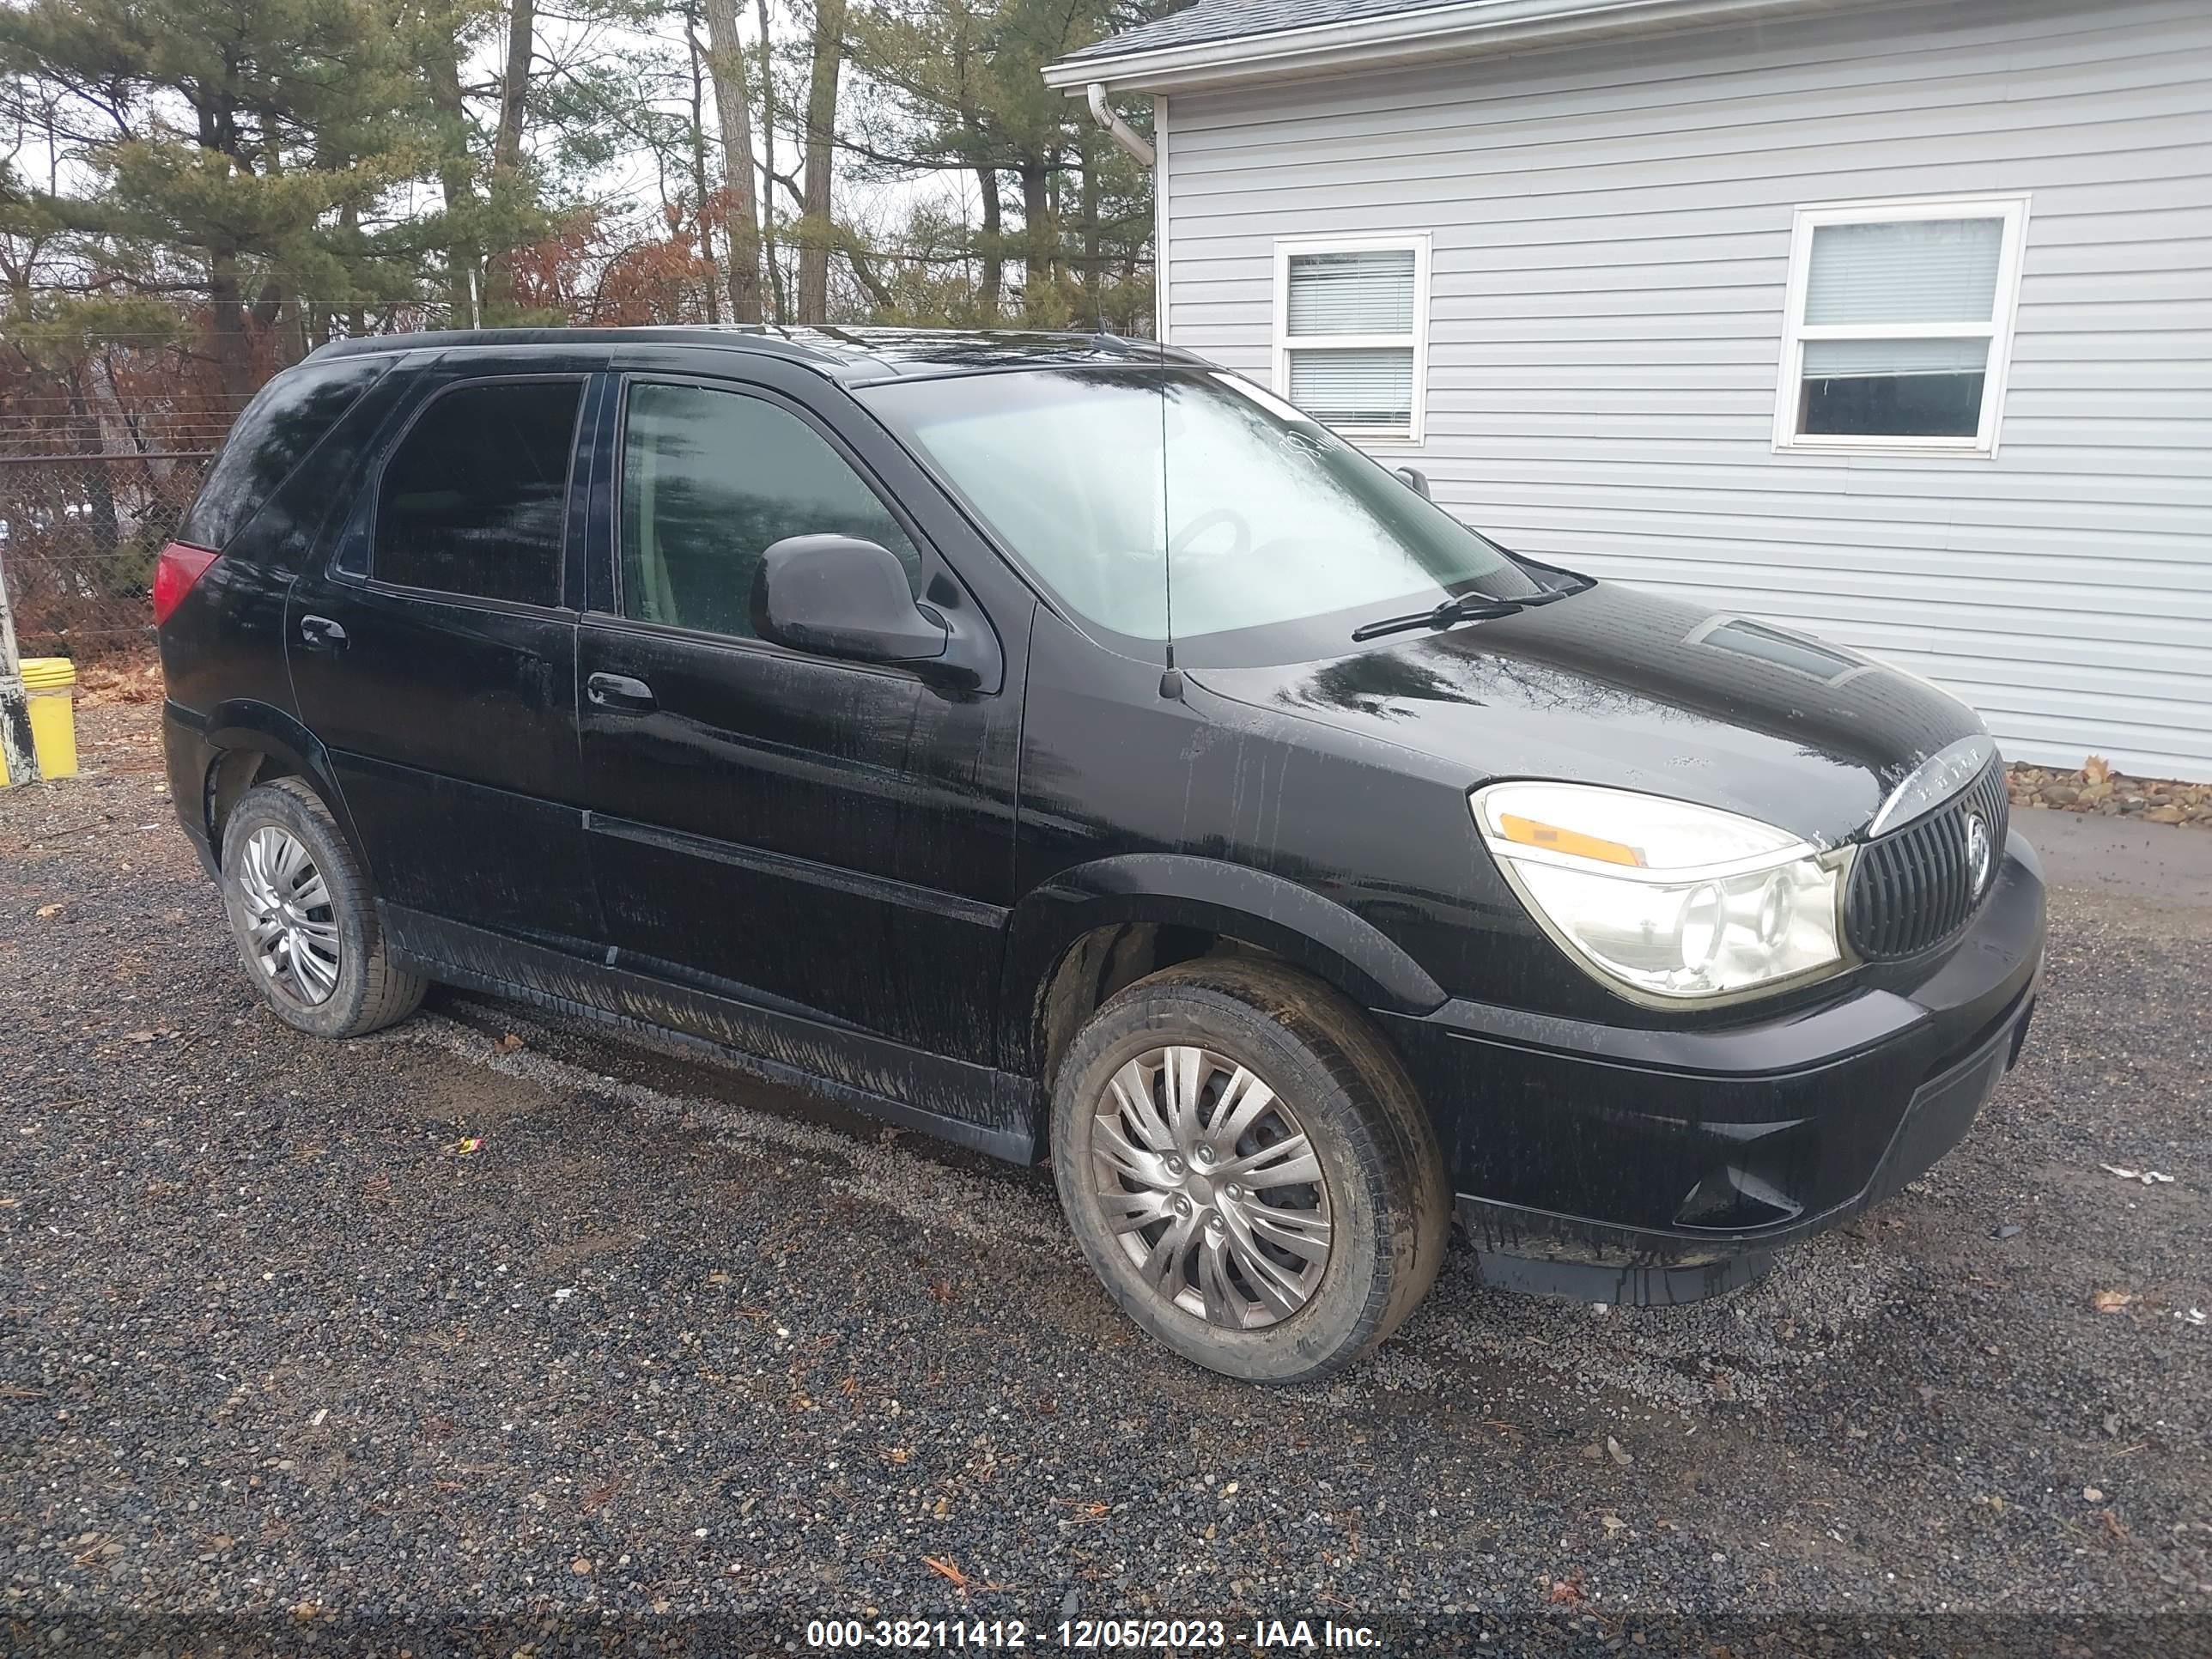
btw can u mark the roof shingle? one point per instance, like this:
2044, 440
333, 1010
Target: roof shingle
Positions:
1226, 20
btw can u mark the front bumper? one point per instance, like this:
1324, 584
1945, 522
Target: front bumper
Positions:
1642, 1166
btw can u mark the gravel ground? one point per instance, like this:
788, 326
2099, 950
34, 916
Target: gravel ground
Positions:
493, 1314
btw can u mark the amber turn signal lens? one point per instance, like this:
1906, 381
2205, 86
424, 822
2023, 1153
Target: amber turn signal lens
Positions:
1533, 832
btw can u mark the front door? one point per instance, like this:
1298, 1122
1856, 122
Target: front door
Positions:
784, 830
435, 660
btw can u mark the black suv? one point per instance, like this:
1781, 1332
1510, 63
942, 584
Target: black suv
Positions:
1065, 747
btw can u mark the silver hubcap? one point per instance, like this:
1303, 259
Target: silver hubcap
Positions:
291, 929
1212, 1187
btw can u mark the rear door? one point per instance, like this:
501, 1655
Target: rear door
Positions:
827, 840
435, 657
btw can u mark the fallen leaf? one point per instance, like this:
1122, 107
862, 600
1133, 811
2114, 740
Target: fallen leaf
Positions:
48, 912
1565, 1593
2097, 768
468, 1143
2092, 1495
2111, 1302
137, 1037
509, 1044
946, 1569
2115, 1528
580, 1565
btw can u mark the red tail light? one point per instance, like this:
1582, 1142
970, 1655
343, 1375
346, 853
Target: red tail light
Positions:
180, 565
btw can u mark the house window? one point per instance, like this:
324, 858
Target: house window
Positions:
1899, 325
1352, 333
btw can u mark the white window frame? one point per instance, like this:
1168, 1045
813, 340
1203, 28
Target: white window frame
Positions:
1407, 437
2013, 210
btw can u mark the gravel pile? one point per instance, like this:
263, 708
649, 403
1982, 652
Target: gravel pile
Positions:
494, 1314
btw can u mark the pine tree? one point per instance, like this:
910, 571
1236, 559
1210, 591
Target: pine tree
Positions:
232, 138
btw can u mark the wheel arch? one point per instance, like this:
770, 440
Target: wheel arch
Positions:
251, 742
1078, 939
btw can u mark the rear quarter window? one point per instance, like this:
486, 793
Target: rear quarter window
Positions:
474, 500
286, 420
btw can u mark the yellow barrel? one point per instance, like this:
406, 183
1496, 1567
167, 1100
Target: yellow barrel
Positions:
47, 683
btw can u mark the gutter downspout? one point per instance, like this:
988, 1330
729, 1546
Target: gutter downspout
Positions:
1124, 134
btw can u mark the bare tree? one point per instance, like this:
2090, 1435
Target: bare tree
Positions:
506, 140
816, 228
698, 136
768, 168
726, 66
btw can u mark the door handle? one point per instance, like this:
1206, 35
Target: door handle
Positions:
321, 634
620, 694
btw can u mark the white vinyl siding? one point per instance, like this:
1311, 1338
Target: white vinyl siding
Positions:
1611, 229
1352, 333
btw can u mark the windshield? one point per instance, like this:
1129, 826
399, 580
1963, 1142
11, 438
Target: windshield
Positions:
1278, 535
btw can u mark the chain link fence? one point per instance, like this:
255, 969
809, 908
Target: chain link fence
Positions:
86, 502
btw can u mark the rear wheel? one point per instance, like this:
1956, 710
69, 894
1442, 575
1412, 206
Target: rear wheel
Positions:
1248, 1169
300, 909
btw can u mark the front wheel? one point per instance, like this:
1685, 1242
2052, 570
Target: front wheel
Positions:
1248, 1169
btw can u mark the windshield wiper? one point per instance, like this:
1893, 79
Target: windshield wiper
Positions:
1468, 607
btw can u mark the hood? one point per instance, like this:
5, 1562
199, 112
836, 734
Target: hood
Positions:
1622, 688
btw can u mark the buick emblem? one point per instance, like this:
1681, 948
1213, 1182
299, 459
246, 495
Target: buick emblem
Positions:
1977, 852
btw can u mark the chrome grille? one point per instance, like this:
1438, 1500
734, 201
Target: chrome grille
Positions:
1911, 889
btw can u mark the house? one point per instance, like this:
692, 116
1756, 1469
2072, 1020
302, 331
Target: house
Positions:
1891, 322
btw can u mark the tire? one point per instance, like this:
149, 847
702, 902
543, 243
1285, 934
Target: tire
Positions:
1238, 1290
303, 919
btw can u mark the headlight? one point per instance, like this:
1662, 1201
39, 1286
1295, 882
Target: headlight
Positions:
1665, 901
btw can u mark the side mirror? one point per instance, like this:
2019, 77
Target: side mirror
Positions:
1414, 479
838, 596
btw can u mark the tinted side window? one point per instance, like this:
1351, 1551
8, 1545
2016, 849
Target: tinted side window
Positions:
286, 419
710, 481
473, 500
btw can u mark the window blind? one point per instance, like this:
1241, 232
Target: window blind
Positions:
1362, 388
1912, 271
1834, 359
1370, 292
